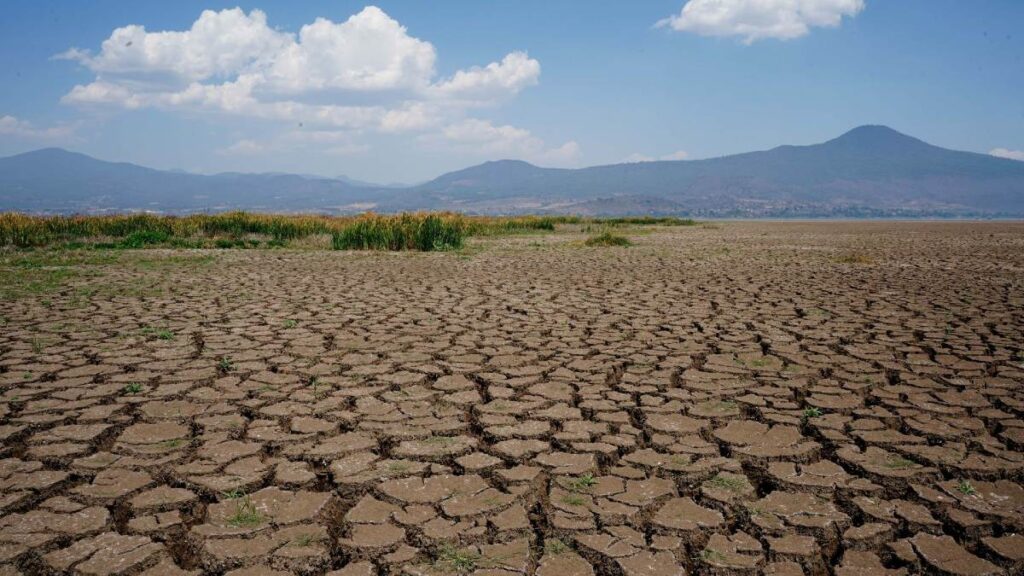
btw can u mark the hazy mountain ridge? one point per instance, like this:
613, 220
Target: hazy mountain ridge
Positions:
869, 171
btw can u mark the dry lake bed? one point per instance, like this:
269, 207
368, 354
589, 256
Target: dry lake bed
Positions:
728, 398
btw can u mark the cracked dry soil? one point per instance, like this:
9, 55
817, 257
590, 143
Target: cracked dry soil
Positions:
738, 398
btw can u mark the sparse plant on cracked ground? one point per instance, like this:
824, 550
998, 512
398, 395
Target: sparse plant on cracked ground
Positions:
225, 365
582, 483
608, 239
554, 546
966, 488
811, 412
461, 561
731, 483
246, 514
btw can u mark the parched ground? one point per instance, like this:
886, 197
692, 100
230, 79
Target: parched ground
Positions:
735, 398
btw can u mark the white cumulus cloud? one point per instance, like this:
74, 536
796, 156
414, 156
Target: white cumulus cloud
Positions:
218, 44
515, 72
369, 51
1006, 153
754, 20
366, 73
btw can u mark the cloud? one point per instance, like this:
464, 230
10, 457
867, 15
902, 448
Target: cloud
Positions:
1005, 153
759, 19
637, 157
515, 72
484, 138
218, 44
11, 126
367, 72
369, 51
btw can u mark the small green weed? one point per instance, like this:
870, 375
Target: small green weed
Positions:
555, 546
808, 413
730, 483
462, 561
965, 488
159, 333
246, 514
712, 555
582, 483
225, 365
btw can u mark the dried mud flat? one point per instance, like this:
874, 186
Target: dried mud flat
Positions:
739, 398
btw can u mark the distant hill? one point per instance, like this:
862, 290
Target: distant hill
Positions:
55, 180
869, 171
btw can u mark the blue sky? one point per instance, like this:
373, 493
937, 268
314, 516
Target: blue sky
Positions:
403, 91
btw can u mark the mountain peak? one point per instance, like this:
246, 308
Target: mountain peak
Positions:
51, 152
508, 163
875, 136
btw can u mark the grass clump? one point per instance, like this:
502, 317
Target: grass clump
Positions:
966, 488
491, 226
158, 333
582, 483
555, 546
225, 365
246, 515
423, 232
461, 561
812, 412
713, 556
730, 483
133, 388
608, 239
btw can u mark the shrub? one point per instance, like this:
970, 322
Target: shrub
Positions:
608, 239
143, 238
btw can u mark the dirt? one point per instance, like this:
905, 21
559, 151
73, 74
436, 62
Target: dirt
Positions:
728, 399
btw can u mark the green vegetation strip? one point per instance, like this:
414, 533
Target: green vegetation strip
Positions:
409, 231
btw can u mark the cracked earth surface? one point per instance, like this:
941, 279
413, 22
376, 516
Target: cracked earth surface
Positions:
741, 398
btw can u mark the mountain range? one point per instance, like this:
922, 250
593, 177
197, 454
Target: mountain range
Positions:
870, 171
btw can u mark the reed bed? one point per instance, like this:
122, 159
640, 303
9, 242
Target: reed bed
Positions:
424, 232
410, 231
